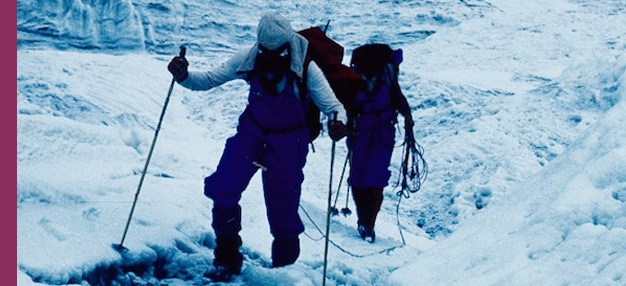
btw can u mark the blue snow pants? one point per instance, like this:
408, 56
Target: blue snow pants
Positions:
373, 146
280, 155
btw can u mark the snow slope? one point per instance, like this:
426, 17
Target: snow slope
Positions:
565, 226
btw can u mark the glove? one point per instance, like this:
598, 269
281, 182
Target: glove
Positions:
178, 68
337, 130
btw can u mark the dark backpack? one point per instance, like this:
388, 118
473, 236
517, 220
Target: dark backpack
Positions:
372, 59
345, 83
377, 59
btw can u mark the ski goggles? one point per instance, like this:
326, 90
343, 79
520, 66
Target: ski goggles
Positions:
273, 61
281, 53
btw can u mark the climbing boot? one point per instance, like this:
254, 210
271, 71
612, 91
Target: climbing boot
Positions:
285, 251
228, 259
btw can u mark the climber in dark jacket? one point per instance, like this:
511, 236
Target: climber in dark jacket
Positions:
271, 136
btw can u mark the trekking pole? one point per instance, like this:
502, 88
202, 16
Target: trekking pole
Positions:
330, 195
145, 167
346, 211
334, 209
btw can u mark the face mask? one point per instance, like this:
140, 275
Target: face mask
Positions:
276, 61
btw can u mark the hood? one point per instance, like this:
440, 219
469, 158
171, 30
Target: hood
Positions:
274, 31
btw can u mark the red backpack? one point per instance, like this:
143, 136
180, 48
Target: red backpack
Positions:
328, 55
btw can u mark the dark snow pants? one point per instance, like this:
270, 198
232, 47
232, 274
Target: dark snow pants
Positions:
282, 156
371, 156
369, 172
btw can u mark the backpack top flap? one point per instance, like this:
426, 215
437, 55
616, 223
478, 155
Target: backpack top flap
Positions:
370, 59
323, 50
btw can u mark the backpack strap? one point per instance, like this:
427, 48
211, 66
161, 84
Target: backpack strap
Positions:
312, 112
398, 100
303, 87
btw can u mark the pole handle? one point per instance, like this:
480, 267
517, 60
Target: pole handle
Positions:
183, 51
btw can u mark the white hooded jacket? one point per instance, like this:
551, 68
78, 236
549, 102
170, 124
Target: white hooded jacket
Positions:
273, 31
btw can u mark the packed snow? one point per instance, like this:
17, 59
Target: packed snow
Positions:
519, 106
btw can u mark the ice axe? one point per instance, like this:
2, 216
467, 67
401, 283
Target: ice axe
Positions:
120, 246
